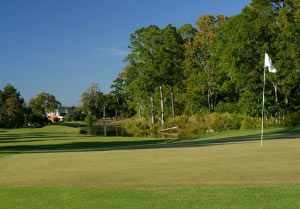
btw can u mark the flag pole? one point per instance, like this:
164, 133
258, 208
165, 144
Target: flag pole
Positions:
262, 111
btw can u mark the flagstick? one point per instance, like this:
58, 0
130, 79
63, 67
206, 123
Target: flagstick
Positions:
262, 112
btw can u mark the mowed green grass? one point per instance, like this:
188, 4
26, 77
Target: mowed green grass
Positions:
59, 137
55, 167
157, 197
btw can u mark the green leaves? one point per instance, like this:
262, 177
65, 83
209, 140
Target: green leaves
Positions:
220, 61
12, 107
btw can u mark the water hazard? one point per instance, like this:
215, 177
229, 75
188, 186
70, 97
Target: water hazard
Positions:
110, 130
106, 130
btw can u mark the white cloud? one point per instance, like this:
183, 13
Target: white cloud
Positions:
113, 52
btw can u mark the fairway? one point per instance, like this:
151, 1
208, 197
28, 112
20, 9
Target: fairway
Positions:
222, 169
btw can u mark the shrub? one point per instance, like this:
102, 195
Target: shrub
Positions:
82, 131
37, 120
227, 107
55, 120
223, 122
251, 122
179, 121
196, 125
292, 119
68, 118
89, 120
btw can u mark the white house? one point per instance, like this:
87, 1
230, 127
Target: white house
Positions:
60, 113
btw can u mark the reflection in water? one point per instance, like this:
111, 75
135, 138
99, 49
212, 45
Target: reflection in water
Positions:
106, 130
117, 130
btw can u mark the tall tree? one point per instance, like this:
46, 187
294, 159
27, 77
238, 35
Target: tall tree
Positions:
12, 107
199, 70
263, 26
44, 103
144, 59
92, 101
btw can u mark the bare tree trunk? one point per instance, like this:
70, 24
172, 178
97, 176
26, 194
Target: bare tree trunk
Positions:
116, 114
208, 99
275, 89
104, 111
152, 110
172, 103
276, 100
25, 117
140, 110
162, 105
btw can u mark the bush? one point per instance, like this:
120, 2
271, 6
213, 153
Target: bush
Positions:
196, 125
292, 119
142, 127
251, 122
37, 120
68, 118
89, 120
82, 131
179, 121
227, 108
223, 122
55, 120
79, 115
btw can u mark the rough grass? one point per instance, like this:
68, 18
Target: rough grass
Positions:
58, 168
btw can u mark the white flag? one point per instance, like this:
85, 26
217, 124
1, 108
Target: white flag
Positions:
269, 64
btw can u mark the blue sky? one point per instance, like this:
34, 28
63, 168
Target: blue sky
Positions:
62, 46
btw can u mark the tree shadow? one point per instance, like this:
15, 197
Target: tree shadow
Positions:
288, 133
74, 146
73, 125
20, 141
42, 135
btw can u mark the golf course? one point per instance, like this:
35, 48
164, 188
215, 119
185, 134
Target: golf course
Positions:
56, 167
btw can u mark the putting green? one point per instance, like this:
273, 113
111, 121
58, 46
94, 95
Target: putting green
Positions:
234, 163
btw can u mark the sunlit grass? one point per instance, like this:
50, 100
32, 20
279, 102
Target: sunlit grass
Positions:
252, 197
56, 167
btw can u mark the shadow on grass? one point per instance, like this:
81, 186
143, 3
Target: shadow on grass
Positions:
73, 125
74, 146
288, 133
41, 135
20, 141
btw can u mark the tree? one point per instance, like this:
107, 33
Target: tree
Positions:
44, 103
12, 107
119, 98
263, 26
92, 101
187, 32
145, 60
200, 72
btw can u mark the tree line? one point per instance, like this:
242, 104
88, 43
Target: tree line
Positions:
14, 112
217, 66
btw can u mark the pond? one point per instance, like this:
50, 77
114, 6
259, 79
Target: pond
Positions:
110, 130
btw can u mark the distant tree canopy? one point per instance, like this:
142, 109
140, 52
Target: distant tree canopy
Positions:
44, 103
14, 112
92, 101
12, 108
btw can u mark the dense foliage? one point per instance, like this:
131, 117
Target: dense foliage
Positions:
218, 66
12, 108
214, 69
14, 112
